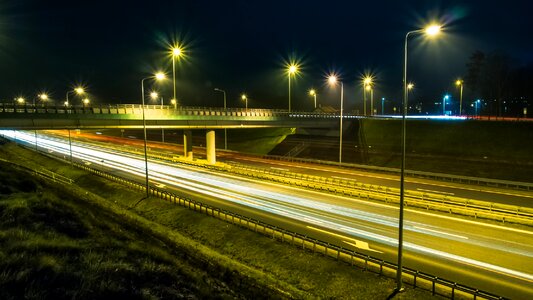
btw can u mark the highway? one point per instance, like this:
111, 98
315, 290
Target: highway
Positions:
482, 193
486, 256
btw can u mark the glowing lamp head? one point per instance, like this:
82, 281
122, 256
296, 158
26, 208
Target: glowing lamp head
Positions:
79, 90
244, 97
154, 95
410, 86
367, 80
368, 88
160, 76
312, 92
177, 51
332, 79
458, 82
20, 100
446, 97
433, 30
43, 96
66, 103
293, 69
173, 101
86, 101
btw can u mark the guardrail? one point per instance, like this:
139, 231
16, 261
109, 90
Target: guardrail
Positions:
419, 174
47, 174
436, 285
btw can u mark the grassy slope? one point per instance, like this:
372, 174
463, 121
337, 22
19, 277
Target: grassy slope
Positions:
242, 262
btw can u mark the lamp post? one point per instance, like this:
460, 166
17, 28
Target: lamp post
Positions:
291, 70
245, 98
369, 88
460, 83
332, 79
79, 90
155, 95
430, 31
367, 81
383, 106
477, 106
225, 130
157, 76
444, 99
176, 52
410, 86
312, 93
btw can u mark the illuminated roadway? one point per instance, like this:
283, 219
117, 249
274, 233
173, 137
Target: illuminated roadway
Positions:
486, 256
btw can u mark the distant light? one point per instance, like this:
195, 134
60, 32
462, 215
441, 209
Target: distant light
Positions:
98, 132
432, 30
154, 95
20, 100
244, 97
173, 101
458, 82
410, 86
79, 90
86, 101
447, 97
312, 92
367, 80
160, 76
43, 96
368, 87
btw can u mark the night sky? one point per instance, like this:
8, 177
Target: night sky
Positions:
241, 46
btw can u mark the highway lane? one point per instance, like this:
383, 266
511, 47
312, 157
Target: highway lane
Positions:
475, 192
489, 257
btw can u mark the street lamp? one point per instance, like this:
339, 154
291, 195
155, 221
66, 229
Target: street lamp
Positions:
332, 80
383, 106
292, 69
158, 76
245, 99
176, 52
79, 90
174, 102
312, 93
86, 102
367, 81
20, 100
410, 86
429, 31
460, 83
42, 96
444, 99
225, 130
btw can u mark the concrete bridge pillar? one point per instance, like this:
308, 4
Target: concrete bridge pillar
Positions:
187, 144
210, 147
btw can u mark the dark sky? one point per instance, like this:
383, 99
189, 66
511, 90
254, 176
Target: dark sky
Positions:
242, 45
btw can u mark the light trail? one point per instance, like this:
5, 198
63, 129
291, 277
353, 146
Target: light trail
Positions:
290, 206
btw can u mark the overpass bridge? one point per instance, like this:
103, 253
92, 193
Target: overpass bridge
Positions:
130, 116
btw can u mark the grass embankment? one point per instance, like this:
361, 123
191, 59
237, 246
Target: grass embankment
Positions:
472, 148
91, 243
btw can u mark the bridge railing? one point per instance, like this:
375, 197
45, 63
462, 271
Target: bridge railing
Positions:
136, 109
